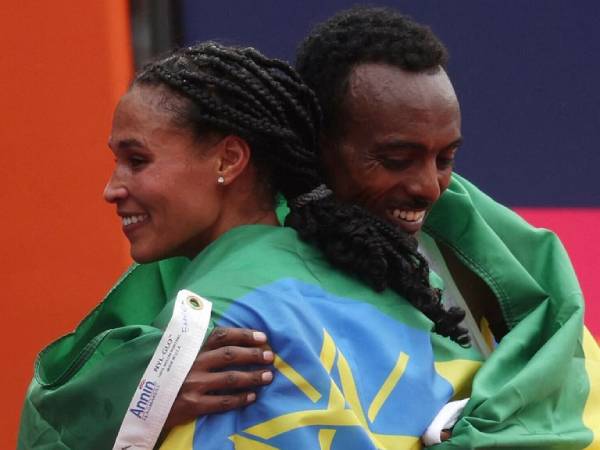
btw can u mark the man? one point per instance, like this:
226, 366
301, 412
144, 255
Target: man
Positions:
392, 127
390, 133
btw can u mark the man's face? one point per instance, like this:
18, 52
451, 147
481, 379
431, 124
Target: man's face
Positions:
399, 135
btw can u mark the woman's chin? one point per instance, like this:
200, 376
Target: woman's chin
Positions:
144, 256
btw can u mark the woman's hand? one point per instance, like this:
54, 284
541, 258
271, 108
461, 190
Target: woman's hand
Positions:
207, 389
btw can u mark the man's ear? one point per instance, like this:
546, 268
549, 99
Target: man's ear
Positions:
233, 158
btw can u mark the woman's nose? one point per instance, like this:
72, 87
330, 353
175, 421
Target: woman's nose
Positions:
114, 190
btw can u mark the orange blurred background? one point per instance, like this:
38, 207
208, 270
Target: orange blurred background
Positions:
64, 66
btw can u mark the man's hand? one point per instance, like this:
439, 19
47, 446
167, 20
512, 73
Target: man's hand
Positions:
224, 347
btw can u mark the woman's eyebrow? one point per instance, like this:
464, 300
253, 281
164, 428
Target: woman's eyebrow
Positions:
124, 144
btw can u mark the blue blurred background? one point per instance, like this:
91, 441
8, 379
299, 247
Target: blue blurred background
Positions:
526, 74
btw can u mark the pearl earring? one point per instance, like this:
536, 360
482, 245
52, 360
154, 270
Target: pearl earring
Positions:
221, 180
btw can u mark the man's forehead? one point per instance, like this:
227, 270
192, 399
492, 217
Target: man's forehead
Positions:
387, 104
380, 83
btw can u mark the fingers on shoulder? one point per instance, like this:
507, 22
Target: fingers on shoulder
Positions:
231, 355
190, 405
224, 336
236, 379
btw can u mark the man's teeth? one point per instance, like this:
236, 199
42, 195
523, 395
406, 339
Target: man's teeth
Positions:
128, 220
409, 216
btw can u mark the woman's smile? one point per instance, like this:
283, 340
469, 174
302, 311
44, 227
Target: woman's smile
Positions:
133, 222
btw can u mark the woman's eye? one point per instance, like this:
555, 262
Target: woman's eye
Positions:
137, 161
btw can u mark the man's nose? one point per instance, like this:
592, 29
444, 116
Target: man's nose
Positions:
114, 190
424, 184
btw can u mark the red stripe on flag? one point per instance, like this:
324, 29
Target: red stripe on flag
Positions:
579, 230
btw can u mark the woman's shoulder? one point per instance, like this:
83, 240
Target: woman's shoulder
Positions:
250, 256
265, 259
251, 247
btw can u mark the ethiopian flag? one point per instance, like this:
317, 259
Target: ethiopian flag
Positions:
353, 369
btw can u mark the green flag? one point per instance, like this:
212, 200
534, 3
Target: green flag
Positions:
540, 387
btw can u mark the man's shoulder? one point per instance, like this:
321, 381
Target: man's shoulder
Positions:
464, 208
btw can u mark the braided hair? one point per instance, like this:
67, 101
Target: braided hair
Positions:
264, 101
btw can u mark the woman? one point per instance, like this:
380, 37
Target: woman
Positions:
204, 140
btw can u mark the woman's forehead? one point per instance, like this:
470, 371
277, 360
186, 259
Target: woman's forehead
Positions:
143, 116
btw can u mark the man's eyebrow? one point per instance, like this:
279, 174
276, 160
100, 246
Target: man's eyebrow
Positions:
456, 143
400, 144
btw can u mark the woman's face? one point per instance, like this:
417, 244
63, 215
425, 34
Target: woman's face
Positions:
164, 183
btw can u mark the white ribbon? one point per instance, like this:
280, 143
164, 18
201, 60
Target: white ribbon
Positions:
170, 364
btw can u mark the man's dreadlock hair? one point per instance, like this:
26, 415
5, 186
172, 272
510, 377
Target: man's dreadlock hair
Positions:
264, 101
325, 59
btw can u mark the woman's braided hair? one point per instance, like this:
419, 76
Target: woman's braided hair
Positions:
239, 91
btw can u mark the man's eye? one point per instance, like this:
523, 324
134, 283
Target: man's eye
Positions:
395, 164
445, 163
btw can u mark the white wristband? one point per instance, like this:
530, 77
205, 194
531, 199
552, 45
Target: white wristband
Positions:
445, 419
166, 372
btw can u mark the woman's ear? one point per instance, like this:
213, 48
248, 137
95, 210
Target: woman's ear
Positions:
232, 158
